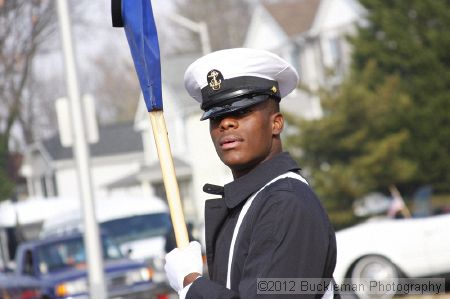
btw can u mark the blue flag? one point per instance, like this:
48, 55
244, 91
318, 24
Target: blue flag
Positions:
137, 18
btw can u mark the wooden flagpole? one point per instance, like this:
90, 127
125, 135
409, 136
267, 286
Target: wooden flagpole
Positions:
169, 177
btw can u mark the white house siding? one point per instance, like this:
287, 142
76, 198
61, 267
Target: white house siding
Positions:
109, 169
340, 13
311, 70
173, 113
142, 125
206, 166
264, 32
336, 20
38, 171
67, 181
103, 171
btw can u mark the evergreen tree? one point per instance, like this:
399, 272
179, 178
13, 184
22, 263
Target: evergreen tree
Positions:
358, 145
389, 122
411, 39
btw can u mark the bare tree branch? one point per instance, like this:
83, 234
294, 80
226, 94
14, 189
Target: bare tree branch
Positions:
25, 27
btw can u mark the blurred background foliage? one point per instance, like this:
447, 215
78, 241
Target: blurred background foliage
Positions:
389, 122
411, 39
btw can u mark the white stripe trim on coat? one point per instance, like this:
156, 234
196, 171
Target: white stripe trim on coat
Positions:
329, 294
243, 212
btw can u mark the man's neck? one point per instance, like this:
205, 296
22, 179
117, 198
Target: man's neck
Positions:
241, 171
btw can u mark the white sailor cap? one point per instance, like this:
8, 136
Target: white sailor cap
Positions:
233, 79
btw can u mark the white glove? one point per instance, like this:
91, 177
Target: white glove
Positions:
181, 262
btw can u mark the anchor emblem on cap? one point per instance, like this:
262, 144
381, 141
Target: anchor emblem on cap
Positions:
215, 81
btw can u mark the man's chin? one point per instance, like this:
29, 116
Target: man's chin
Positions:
238, 165
232, 158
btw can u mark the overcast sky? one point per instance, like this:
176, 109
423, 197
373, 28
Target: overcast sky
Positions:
96, 37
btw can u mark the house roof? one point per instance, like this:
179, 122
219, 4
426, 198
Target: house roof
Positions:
114, 139
151, 173
294, 16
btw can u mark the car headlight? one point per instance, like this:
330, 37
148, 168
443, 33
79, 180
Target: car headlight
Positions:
73, 287
139, 275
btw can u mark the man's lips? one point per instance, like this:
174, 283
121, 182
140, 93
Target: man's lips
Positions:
230, 141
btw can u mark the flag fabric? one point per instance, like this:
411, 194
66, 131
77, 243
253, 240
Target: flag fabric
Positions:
138, 21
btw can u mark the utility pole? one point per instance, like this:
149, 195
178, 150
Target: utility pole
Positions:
92, 243
198, 27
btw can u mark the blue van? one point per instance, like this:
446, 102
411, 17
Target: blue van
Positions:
58, 265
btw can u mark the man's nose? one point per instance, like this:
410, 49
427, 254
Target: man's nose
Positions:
228, 122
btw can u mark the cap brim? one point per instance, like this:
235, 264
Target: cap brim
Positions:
219, 111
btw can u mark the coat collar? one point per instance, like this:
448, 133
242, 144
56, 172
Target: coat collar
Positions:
240, 189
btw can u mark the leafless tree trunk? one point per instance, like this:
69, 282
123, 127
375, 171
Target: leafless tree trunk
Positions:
25, 25
114, 84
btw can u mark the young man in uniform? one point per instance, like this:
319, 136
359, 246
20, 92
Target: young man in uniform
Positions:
268, 223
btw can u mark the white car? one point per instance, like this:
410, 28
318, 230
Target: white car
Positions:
387, 249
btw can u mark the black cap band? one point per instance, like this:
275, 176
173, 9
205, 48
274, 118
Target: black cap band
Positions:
233, 106
237, 88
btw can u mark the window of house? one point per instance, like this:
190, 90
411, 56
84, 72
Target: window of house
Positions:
336, 53
55, 186
48, 186
44, 186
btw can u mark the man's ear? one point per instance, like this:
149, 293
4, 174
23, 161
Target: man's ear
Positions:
277, 123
